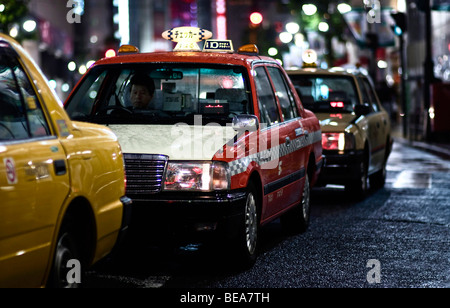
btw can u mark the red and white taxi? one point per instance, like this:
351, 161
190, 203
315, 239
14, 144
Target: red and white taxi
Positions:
224, 146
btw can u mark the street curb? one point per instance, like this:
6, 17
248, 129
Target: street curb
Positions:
428, 147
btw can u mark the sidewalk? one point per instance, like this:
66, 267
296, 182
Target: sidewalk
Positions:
441, 149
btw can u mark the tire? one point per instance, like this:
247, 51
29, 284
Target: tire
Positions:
378, 179
359, 187
246, 243
66, 250
297, 220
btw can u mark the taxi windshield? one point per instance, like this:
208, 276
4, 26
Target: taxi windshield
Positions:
326, 93
161, 93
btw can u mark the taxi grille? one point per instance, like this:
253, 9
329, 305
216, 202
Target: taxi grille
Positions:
145, 173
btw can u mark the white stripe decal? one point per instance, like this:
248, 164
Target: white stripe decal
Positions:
240, 165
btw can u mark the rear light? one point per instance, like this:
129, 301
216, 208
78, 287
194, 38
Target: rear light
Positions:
337, 104
333, 141
338, 141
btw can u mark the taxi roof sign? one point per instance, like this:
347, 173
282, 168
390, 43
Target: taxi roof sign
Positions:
218, 46
309, 58
187, 37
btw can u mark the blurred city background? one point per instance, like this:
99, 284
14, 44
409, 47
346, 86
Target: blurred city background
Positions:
403, 44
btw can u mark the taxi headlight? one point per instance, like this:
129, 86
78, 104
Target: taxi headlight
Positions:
197, 176
338, 141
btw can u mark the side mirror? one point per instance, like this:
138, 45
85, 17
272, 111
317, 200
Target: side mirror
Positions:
362, 110
245, 122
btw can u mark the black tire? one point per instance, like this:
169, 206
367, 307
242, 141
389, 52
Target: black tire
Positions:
246, 243
358, 188
297, 220
378, 179
66, 249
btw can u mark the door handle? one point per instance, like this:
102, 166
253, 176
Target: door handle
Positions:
60, 167
288, 141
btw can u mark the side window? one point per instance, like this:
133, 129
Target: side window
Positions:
266, 100
367, 94
35, 114
284, 94
371, 95
21, 116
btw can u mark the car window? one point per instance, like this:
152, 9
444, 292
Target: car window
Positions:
21, 115
369, 94
268, 109
285, 97
173, 93
325, 93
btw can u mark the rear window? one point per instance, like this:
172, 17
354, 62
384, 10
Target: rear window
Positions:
326, 93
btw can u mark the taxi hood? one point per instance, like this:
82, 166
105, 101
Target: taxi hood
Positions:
335, 122
179, 141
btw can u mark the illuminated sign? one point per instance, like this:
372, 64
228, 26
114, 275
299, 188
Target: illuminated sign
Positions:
218, 46
187, 37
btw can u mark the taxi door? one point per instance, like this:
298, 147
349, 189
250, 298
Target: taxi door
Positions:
292, 142
33, 179
377, 126
279, 177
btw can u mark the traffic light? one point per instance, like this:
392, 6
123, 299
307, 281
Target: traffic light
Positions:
400, 24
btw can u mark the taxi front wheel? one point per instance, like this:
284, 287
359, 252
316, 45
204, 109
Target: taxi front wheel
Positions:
245, 245
66, 250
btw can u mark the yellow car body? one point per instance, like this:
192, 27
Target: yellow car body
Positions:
356, 129
66, 178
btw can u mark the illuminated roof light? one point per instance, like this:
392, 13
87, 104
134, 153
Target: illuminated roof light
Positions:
127, 49
187, 37
250, 49
309, 58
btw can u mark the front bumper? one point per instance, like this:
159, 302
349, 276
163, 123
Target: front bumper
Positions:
188, 216
341, 168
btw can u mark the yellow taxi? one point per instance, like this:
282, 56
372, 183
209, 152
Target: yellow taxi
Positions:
216, 142
62, 183
356, 131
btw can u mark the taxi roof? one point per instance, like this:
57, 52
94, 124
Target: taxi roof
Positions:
184, 57
335, 71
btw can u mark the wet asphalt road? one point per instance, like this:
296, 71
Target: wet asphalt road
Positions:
398, 237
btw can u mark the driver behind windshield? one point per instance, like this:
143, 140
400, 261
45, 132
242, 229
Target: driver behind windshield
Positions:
142, 91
